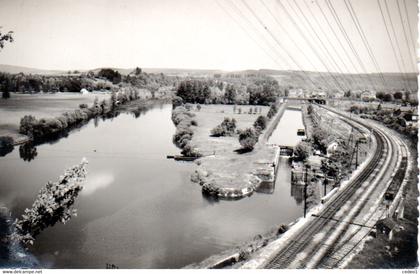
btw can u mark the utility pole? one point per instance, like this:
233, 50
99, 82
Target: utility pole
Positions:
305, 187
357, 153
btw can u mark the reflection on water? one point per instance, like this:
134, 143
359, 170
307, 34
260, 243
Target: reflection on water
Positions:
266, 187
297, 192
96, 182
27, 152
137, 209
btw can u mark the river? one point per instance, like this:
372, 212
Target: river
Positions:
139, 209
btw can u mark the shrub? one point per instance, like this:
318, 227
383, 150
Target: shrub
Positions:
248, 138
260, 124
83, 106
272, 111
226, 128
189, 151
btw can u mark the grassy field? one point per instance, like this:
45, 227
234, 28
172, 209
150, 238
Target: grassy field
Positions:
46, 105
222, 167
212, 115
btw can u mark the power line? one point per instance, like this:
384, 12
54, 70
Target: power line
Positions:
329, 55
365, 41
348, 40
405, 35
413, 41
392, 45
275, 39
284, 30
240, 13
308, 42
252, 37
337, 38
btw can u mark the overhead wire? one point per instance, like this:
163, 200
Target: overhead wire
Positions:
405, 35
348, 40
365, 41
327, 51
392, 44
314, 50
276, 40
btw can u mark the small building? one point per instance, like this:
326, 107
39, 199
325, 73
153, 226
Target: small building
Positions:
387, 227
84, 91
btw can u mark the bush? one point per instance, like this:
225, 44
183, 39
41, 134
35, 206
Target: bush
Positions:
83, 106
272, 111
6, 142
260, 124
320, 139
248, 138
302, 151
226, 128
177, 101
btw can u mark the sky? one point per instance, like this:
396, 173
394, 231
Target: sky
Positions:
210, 34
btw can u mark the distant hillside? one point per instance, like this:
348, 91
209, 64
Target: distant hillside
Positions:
26, 70
286, 78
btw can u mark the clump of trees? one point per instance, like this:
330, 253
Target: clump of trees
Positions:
38, 129
193, 91
392, 118
53, 204
183, 119
302, 151
226, 128
263, 92
248, 138
259, 91
110, 74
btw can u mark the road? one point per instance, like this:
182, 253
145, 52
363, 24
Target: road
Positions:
329, 238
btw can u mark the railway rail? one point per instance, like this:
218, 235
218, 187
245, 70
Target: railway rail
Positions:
289, 255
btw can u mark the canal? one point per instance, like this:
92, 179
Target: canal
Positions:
139, 209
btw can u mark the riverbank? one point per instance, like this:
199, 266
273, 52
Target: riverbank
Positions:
45, 105
55, 127
225, 170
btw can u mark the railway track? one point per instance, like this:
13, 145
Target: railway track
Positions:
288, 255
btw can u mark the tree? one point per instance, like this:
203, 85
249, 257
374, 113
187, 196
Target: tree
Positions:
5, 37
261, 123
272, 111
230, 94
248, 138
380, 95
302, 151
347, 93
398, 95
387, 97
5, 94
